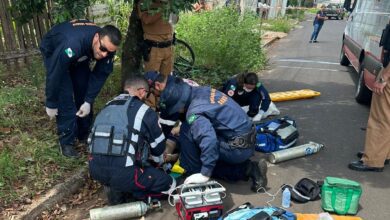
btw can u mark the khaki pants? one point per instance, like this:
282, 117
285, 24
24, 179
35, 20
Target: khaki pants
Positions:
160, 60
377, 146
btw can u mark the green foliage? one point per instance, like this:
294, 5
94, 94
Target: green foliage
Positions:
298, 14
224, 43
64, 10
119, 11
169, 7
35, 73
8, 168
312, 10
278, 25
27, 9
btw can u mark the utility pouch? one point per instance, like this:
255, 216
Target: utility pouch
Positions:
119, 143
146, 48
101, 139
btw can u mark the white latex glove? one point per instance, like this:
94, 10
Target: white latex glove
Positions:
159, 160
51, 112
84, 110
196, 178
258, 117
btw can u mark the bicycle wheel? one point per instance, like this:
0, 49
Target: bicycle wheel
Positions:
184, 59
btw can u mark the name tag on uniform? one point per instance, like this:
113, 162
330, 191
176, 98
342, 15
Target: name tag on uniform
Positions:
81, 59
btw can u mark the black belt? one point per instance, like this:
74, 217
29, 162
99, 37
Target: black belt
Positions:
157, 44
246, 140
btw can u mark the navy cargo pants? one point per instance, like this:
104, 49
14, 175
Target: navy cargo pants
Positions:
73, 89
140, 182
231, 164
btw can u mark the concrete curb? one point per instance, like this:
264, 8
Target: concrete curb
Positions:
55, 195
269, 42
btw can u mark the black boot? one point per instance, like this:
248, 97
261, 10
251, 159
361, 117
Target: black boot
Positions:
115, 197
257, 171
69, 151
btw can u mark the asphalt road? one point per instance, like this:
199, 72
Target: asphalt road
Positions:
333, 119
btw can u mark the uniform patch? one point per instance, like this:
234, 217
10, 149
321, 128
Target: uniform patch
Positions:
69, 52
192, 118
231, 93
232, 87
258, 85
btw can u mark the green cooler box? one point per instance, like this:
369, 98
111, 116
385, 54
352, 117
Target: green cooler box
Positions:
340, 195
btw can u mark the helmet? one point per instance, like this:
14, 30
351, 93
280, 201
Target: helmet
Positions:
174, 97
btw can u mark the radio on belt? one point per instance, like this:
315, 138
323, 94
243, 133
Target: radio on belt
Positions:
200, 201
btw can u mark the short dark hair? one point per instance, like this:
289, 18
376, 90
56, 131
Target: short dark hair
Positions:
251, 78
136, 82
113, 34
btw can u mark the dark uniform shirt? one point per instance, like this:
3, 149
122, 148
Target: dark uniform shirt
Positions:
257, 96
213, 119
148, 126
66, 45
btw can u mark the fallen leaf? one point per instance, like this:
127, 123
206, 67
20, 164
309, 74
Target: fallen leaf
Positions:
4, 130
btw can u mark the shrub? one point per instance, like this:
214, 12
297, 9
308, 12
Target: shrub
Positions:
224, 43
279, 25
294, 13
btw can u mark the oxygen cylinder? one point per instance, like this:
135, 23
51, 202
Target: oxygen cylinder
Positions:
122, 211
295, 152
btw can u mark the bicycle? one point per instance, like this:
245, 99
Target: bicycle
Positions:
184, 59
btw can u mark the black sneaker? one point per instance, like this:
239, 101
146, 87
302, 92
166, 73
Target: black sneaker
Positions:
315, 41
69, 151
257, 171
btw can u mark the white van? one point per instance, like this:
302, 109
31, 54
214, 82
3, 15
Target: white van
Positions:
361, 43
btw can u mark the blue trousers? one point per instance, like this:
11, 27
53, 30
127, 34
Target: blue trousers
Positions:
140, 182
73, 89
316, 31
232, 162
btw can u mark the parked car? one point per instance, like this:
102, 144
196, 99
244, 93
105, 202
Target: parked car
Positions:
360, 46
334, 11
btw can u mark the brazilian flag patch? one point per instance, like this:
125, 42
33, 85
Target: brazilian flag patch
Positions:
192, 118
232, 87
258, 85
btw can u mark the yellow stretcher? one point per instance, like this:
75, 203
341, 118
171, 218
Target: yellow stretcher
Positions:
293, 95
315, 217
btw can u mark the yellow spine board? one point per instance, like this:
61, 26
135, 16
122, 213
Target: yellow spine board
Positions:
293, 95
315, 217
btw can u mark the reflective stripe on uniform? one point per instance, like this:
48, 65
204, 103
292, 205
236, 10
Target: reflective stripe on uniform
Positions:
166, 122
157, 141
137, 126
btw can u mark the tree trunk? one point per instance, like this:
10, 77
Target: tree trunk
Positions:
131, 50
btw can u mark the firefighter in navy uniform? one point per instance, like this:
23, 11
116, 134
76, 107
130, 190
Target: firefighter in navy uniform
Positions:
246, 90
72, 83
216, 136
129, 172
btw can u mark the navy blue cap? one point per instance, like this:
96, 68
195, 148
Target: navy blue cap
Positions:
174, 97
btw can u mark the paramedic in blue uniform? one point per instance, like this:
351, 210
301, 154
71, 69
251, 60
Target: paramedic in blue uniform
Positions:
123, 175
246, 90
216, 136
69, 51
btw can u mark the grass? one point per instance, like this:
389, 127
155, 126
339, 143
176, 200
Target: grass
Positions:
278, 25
30, 162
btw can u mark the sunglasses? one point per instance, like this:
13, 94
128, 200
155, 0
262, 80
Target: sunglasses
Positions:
103, 48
